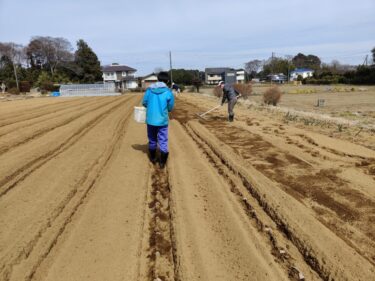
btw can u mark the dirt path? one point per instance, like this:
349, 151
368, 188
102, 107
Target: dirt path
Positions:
253, 200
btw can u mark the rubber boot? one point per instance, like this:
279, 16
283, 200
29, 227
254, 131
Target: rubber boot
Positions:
152, 155
231, 118
163, 159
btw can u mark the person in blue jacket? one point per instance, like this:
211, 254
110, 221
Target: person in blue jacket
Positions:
159, 101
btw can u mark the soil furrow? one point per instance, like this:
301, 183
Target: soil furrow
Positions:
62, 215
292, 261
12, 179
213, 235
85, 186
103, 239
256, 199
325, 264
333, 187
11, 128
34, 112
31, 133
162, 253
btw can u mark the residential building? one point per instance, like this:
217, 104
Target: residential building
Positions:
241, 76
214, 75
121, 75
304, 72
148, 80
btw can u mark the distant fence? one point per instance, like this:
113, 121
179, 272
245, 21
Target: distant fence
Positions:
86, 90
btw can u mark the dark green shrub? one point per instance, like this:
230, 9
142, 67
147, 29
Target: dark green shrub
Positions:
11, 84
13, 91
25, 86
47, 86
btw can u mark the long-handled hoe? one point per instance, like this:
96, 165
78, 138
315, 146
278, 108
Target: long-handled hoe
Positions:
203, 114
212, 109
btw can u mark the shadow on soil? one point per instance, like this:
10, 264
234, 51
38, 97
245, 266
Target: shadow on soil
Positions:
141, 147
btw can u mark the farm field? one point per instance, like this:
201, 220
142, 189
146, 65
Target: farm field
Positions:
262, 198
347, 101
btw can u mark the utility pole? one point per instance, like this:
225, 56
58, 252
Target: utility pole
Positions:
15, 74
170, 65
272, 66
288, 58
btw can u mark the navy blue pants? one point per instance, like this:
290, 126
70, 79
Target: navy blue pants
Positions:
158, 135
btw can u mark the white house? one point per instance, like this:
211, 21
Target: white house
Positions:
121, 75
241, 76
304, 72
214, 75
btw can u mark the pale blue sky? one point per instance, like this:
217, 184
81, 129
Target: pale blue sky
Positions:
205, 33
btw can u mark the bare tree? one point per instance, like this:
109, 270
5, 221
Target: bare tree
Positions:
49, 52
336, 67
335, 64
253, 66
15, 54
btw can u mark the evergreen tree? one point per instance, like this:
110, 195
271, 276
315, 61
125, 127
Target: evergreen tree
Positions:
6, 70
88, 63
310, 61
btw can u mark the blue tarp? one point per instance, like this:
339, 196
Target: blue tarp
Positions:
55, 94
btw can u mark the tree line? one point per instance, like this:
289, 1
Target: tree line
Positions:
45, 61
324, 73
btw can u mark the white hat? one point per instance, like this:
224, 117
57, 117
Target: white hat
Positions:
221, 82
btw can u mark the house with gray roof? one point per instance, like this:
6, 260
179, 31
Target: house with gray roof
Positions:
277, 78
121, 75
214, 75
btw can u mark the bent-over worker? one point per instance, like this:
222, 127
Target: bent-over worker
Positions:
230, 94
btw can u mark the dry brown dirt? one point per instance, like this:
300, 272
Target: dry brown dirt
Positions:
257, 199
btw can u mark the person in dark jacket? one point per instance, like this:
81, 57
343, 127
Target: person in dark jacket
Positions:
159, 101
230, 94
176, 88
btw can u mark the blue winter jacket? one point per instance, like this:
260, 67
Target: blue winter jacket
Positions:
158, 100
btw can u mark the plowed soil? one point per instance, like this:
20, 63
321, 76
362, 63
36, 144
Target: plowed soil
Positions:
256, 199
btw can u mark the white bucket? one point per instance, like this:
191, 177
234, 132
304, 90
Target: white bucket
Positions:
140, 114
